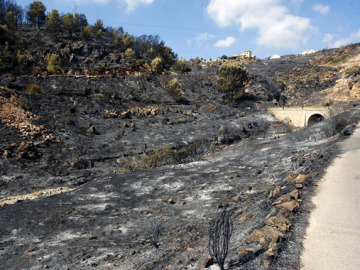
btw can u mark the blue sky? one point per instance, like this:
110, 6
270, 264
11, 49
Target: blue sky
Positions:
212, 28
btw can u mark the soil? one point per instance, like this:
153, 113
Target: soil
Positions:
111, 171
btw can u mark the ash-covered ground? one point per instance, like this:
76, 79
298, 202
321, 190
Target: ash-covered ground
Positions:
88, 183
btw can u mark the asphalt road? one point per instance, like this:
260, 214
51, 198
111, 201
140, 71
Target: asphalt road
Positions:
333, 235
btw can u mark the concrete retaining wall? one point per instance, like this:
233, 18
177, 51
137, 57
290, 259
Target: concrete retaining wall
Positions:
298, 116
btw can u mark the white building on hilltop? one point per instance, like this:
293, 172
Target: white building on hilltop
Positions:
307, 52
275, 56
244, 55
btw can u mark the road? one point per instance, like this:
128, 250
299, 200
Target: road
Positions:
333, 234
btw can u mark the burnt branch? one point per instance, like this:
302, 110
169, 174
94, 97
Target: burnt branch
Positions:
220, 231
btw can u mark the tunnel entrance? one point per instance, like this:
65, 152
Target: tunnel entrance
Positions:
316, 118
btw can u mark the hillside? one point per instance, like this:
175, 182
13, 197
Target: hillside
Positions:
100, 153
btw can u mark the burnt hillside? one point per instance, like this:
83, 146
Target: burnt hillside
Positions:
101, 151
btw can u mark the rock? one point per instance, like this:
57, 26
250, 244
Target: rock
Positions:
91, 130
7, 154
205, 262
292, 195
125, 115
171, 201
236, 198
245, 217
288, 206
264, 236
301, 178
275, 192
23, 147
120, 256
298, 186
29, 255
242, 114
22, 155
223, 129
279, 222
270, 253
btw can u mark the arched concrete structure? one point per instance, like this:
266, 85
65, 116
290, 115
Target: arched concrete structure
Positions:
315, 118
300, 116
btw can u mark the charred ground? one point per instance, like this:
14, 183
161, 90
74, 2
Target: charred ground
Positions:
93, 162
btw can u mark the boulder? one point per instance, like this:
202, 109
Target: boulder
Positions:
280, 222
301, 178
265, 236
288, 206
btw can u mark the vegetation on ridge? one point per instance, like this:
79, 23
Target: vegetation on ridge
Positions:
55, 31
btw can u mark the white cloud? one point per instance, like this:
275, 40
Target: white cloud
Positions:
200, 38
353, 38
133, 4
228, 42
277, 28
323, 10
328, 38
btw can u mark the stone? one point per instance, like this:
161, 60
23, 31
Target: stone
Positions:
274, 192
22, 155
265, 236
288, 206
280, 222
236, 198
171, 201
91, 130
270, 253
301, 178
245, 217
298, 186
292, 195
23, 147
242, 114
205, 262
29, 255
7, 154
223, 129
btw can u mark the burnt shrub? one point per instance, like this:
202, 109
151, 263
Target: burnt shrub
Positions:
220, 231
336, 125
